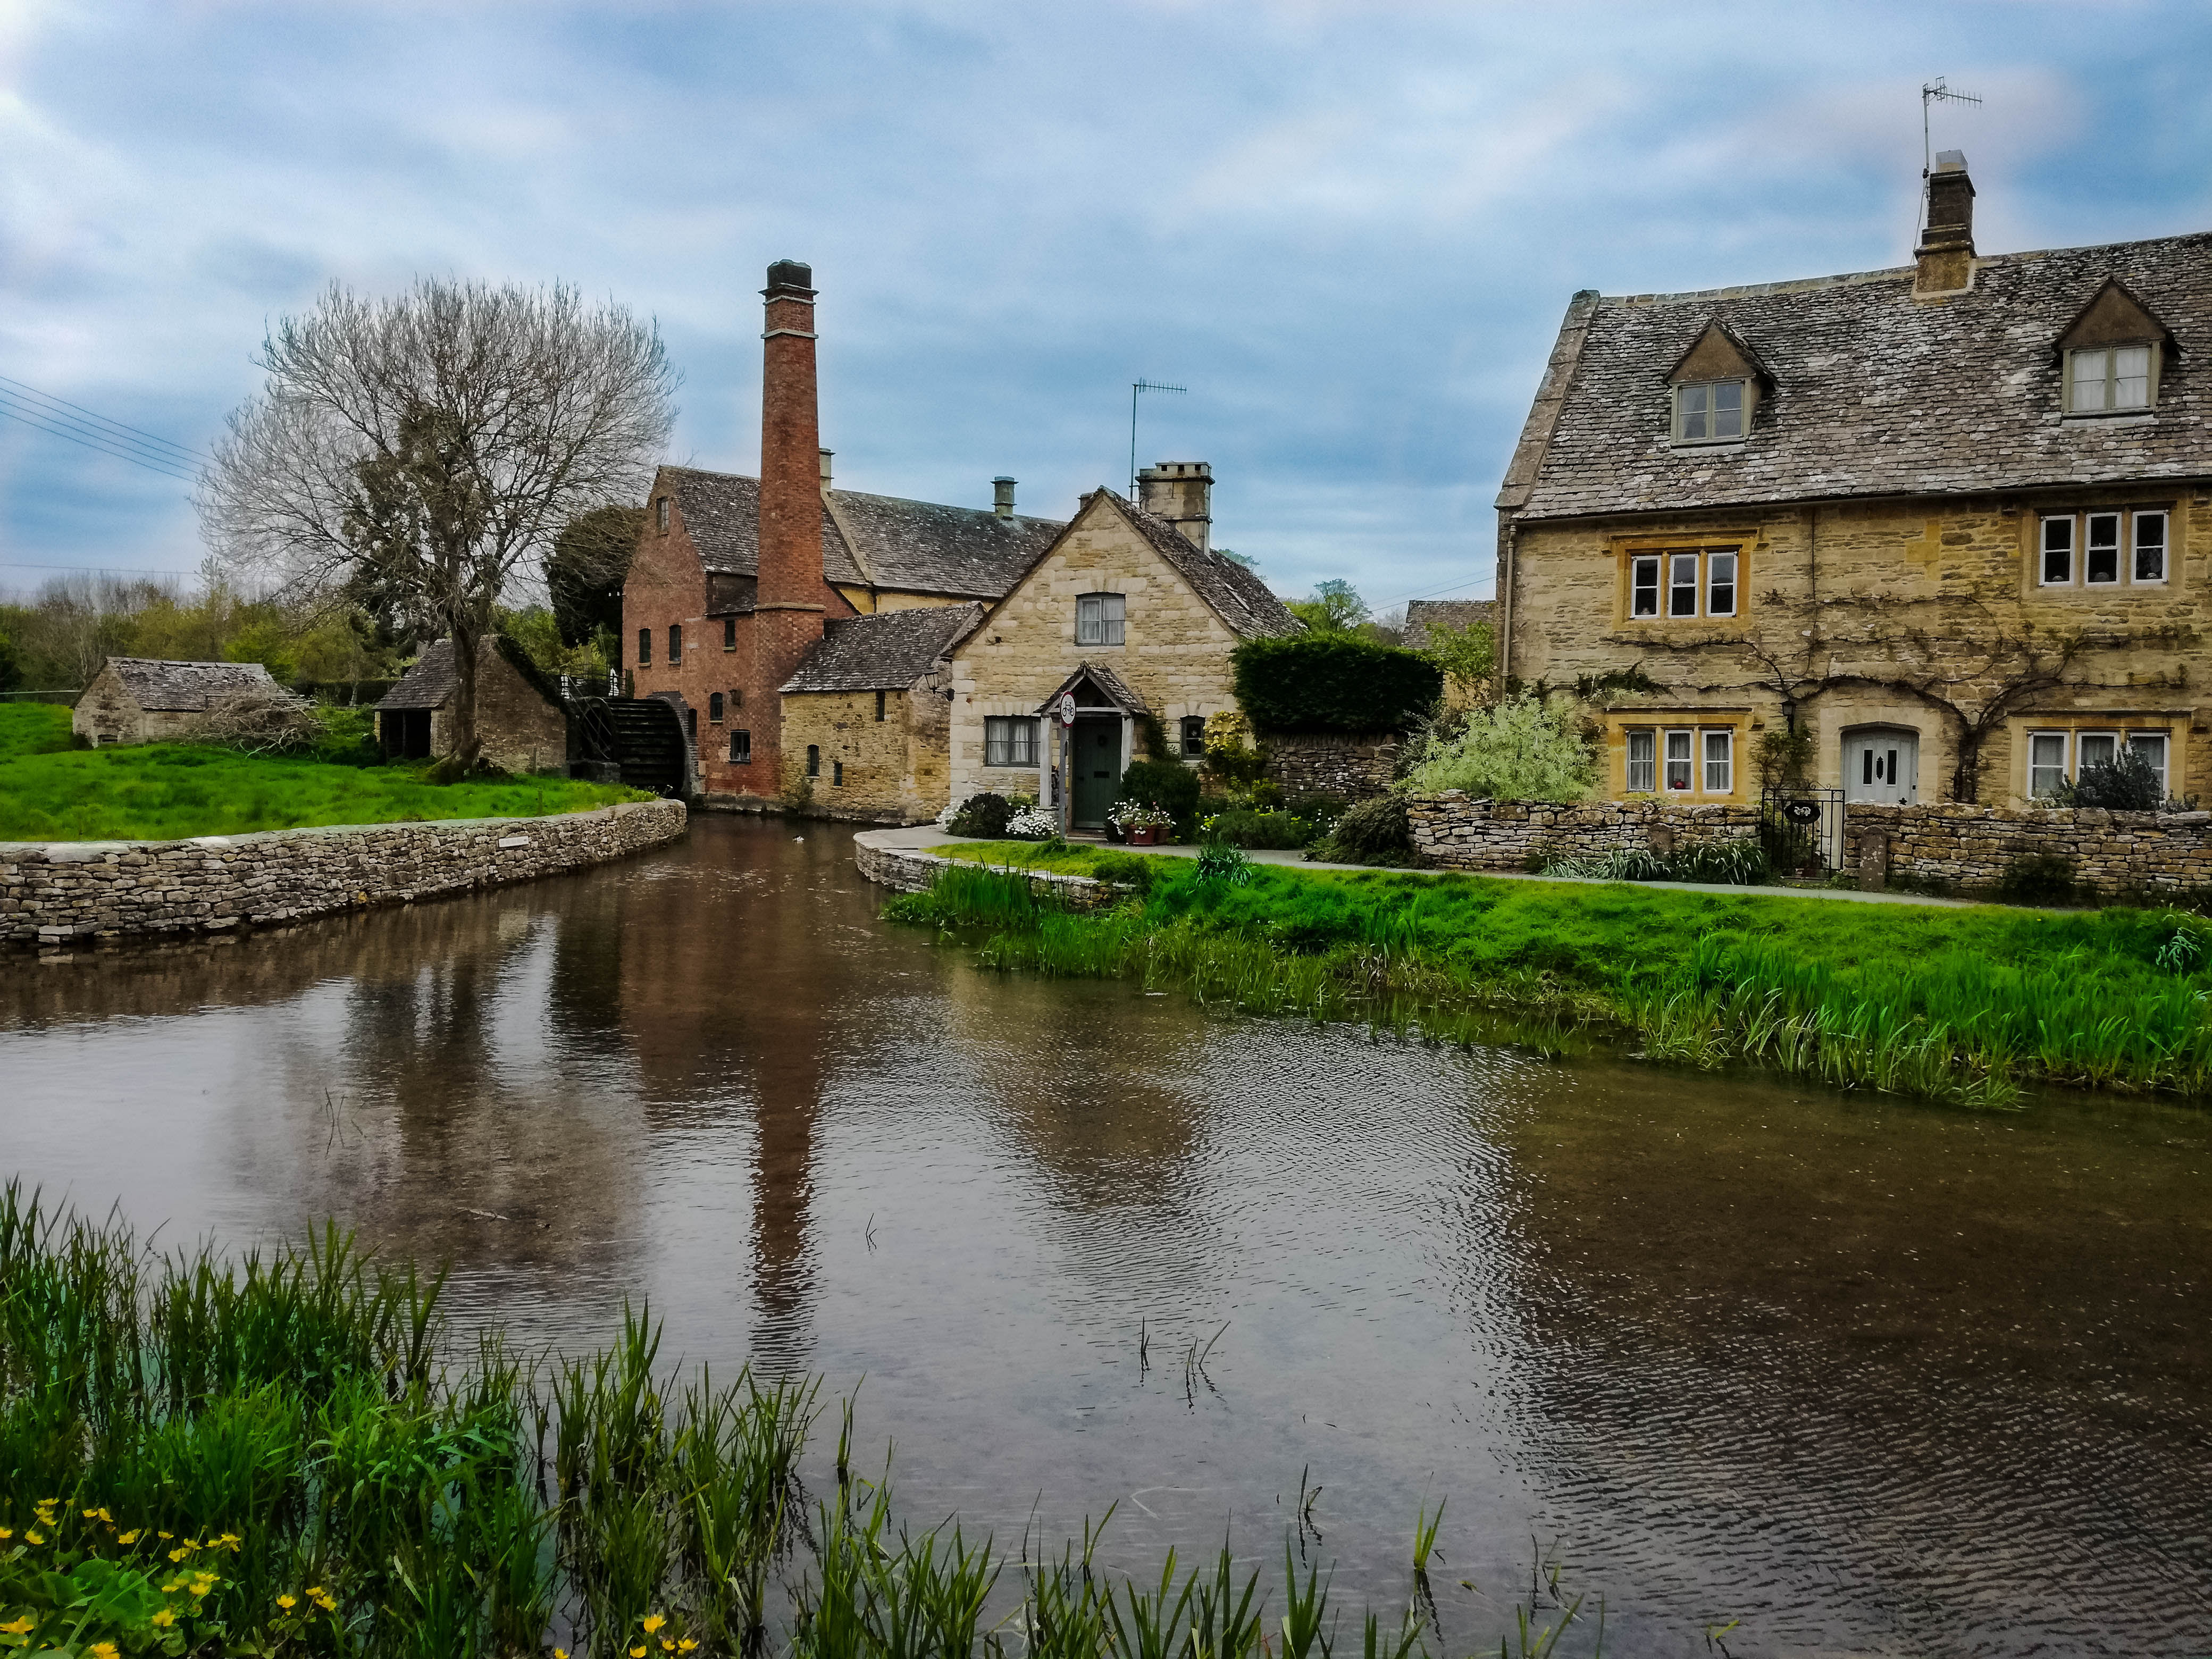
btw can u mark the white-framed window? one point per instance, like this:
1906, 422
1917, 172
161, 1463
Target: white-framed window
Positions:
2100, 549
2151, 746
1680, 768
1720, 763
1720, 584
2058, 552
1009, 741
2107, 379
1100, 618
1643, 762
1709, 411
2046, 761
1681, 584
2150, 547
1644, 585
2094, 749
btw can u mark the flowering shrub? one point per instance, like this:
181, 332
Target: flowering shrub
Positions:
1523, 749
1128, 815
1032, 823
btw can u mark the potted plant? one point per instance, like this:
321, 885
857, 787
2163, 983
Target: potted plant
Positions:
1140, 823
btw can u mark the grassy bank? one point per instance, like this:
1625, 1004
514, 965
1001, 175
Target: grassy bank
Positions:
159, 792
267, 1457
1962, 1004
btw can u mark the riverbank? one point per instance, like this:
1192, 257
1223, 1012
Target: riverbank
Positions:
197, 1458
1966, 1004
49, 791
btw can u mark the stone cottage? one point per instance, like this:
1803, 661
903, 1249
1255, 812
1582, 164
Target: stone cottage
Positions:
145, 700
736, 579
866, 718
1944, 525
1129, 613
521, 726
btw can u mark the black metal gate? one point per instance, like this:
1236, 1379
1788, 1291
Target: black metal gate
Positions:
1802, 830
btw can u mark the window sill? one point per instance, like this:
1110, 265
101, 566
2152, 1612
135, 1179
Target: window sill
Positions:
2111, 417
1706, 446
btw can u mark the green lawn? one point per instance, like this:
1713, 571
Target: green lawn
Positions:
161, 792
1961, 1003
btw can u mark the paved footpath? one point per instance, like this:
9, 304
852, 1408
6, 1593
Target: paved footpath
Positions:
922, 837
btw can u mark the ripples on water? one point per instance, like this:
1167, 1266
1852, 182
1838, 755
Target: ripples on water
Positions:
1871, 1377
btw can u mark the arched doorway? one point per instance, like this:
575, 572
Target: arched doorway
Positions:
1881, 765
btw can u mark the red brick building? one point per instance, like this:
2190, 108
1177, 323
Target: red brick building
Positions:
735, 577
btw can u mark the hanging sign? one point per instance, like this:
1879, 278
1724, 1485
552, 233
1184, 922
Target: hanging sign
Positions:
1067, 708
1802, 811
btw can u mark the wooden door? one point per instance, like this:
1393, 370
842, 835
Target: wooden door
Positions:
1096, 761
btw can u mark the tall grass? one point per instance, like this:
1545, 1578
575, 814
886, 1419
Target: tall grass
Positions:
275, 1455
1968, 1007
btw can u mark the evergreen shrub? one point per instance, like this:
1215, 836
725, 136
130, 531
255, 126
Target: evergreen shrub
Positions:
1333, 683
1169, 784
982, 818
1377, 831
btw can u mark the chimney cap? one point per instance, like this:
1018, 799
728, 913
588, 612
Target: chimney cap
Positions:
790, 278
1002, 478
1950, 160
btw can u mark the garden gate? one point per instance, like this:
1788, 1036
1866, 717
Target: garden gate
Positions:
1802, 830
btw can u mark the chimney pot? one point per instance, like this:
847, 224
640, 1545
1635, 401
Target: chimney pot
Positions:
1002, 497
1944, 257
826, 475
790, 276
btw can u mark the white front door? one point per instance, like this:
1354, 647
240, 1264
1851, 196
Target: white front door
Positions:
1881, 765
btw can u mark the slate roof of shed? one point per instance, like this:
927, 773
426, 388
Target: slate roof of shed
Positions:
1421, 615
430, 681
187, 687
888, 651
915, 546
1238, 597
1874, 392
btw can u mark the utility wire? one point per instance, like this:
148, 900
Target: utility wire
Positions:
119, 454
97, 569
43, 412
1436, 592
158, 442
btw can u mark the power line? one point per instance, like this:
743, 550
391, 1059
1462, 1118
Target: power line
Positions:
15, 414
185, 451
1435, 592
96, 569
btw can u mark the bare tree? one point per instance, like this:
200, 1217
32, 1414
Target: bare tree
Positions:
434, 444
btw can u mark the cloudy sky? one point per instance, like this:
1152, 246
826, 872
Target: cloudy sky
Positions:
1349, 229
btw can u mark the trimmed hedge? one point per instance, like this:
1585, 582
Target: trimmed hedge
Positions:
1330, 683
1167, 784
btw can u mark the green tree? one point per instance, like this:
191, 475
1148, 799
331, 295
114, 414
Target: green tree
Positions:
1467, 655
584, 575
1334, 608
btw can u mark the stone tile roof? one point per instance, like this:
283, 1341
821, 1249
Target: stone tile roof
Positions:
1240, 599
886, 652
1874, 392
187, 687
430, 681
1116, 689
881, 541
1422, 615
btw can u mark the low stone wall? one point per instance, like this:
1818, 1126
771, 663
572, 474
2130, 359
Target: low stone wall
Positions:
905, 870
1971, 847
1455, 831
1326, 763
53, 892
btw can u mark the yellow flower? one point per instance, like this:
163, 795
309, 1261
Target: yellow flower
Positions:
287, 1602
18, 1626
165, 1534
35, 1537
130, 1537
326, 1603
231, 1539
7, 1531
178, 1555
653, 1621
315, 1589
202, 1587
165, 1618
686, 1645
173, 1587
637, 1652
103, 1650
560, 1653
667, 1646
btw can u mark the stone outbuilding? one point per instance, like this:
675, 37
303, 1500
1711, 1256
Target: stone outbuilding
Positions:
521, 726
865, 717
145, 700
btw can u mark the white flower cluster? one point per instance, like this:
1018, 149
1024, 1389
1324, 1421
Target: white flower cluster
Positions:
1031, 823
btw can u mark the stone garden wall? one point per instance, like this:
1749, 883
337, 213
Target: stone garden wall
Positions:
1455, 832
907, 870
53, 892
1324, 763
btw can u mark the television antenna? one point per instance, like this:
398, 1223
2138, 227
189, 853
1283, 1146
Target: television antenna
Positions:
1135, 388
1936, 92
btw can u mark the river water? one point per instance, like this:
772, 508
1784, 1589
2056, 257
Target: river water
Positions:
1866, 1377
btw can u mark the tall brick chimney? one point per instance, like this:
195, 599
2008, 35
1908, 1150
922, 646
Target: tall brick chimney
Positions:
791, 445
1182, 492
1944, 257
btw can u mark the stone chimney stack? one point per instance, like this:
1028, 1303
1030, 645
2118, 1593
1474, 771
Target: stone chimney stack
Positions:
1946, 254
1182, 492
826, 475
791, 445
1002, 497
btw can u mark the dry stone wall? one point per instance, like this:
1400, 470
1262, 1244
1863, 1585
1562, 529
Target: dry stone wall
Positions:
51, 893
1971, 847
905, 870
1455, 831
1325, 763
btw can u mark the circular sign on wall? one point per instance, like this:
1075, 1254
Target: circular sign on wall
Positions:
1067, 708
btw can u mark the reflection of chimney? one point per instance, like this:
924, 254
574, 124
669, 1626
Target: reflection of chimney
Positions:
1002, 497
1946, 255
826, 454
1182, 492
791, 444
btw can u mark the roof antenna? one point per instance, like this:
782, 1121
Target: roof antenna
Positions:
1936, 92
1136, 386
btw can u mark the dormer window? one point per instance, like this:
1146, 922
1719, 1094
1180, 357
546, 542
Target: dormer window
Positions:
1715, 385
2108, 378
1709, 411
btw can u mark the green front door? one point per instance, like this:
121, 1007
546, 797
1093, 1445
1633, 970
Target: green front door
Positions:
1097, 762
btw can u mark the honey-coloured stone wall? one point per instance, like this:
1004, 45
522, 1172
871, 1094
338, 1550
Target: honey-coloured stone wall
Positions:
895, 769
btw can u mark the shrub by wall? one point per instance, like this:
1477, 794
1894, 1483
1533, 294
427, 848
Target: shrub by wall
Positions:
1328, 682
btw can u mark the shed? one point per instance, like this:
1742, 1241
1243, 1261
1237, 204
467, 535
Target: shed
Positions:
147, 700
521, 723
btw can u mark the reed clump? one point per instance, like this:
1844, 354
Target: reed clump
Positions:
276, 1456
1968, 1007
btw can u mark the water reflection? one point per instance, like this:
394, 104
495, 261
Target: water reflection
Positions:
1873, 1379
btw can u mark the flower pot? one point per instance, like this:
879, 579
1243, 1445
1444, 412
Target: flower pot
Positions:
1147, 835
